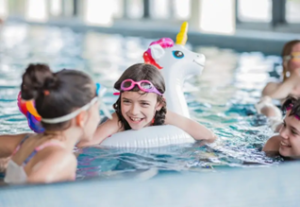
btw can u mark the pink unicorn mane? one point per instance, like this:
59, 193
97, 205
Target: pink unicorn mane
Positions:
164, 43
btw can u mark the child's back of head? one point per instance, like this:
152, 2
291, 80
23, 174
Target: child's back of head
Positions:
67, 102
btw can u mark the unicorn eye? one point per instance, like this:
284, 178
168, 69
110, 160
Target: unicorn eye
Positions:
178, 54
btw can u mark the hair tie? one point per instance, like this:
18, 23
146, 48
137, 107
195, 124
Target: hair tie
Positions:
153, 120
46, 92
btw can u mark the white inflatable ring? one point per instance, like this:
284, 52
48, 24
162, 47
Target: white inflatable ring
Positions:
154, 136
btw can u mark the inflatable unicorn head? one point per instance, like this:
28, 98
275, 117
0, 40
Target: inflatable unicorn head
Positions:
166, 55
176, 63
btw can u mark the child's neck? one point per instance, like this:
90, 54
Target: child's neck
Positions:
69, 137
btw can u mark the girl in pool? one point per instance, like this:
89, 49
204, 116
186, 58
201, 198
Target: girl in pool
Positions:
141, 104
287, 143
289, 86
67, 101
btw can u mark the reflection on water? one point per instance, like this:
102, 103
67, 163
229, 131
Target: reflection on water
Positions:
222, 99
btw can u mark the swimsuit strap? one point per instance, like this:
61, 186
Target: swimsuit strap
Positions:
41, 147
23, 140
48, 144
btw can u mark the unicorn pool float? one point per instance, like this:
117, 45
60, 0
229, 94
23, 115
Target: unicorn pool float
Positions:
176, 64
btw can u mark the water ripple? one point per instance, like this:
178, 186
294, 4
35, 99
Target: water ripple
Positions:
222, 100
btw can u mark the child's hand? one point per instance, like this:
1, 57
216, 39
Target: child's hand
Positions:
3, 163
213, 139
265, 100
209, 141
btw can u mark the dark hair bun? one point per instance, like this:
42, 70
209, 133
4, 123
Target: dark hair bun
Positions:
36, 79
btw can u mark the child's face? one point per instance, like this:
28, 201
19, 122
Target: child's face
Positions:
294, 63
93, 119
290, 137
139, 108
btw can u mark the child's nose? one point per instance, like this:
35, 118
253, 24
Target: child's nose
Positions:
134, 109
283, 133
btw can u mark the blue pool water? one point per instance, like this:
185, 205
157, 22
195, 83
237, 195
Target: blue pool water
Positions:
223, 99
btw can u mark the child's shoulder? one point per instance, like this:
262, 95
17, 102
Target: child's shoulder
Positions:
56, 154
57, 163
272, 145
108, 122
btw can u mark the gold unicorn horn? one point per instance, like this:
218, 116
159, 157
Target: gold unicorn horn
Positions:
182, 35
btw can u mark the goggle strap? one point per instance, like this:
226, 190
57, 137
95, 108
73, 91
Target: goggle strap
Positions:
69, 116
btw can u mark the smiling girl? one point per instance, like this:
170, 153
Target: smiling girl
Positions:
287, 143
141, 104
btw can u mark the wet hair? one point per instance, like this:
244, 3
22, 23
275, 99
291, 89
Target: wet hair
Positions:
287, 48
56, 94
140, 72
293, 104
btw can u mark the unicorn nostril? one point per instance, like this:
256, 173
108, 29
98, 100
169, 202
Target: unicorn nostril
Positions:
200, 56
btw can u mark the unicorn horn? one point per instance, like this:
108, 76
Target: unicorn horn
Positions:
182, 35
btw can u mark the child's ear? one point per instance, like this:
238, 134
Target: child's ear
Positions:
159, 105
81, 119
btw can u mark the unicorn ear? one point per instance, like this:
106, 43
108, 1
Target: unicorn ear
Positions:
157, 51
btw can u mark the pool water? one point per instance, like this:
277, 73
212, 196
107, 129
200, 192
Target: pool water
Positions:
222, 99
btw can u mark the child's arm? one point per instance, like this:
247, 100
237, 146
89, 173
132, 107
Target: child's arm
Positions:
272, 144
196, 130
282, 90
109, 127
270, 88
8, 143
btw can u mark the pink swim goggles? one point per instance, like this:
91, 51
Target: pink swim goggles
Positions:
144, 85
289, 107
